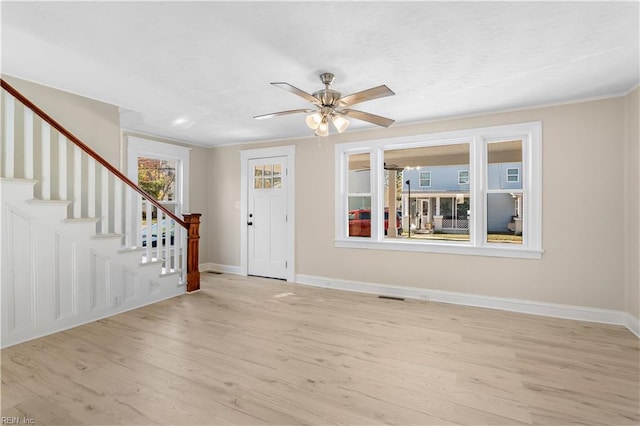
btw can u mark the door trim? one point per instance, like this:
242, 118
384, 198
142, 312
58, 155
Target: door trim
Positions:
288, 151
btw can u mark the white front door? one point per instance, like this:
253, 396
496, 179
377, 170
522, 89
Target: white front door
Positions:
267, 217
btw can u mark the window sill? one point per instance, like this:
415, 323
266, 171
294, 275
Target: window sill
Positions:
462, 248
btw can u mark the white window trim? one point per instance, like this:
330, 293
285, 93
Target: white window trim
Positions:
142, 147
420, 179
460, 174
531, 136
517, 175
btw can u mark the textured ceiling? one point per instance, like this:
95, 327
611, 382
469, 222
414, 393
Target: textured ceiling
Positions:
199, 71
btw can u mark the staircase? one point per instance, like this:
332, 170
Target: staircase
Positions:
76, 234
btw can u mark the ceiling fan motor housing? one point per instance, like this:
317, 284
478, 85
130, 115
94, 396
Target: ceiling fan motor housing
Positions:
328, 97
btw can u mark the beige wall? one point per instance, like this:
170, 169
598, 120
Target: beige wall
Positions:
590, 182
95, 123
583, 198
632, 205
199, 193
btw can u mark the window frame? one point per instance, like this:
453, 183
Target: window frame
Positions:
517, 175
460, 175
136, 147
420, 172
530, 133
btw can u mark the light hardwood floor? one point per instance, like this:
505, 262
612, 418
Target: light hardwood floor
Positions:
256, 351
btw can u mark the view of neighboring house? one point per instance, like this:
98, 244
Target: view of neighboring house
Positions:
440, 198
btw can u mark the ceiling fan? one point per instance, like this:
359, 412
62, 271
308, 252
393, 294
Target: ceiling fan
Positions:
330, 105
386, 166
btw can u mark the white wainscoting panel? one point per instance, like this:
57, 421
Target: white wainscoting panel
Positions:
57, 275
66, 277
129, 284
21, 268
100, 281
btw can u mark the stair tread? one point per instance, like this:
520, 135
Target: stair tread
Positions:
106, 236
131, 249
153, 261
80, 219
41, 201
18, 180
170, 272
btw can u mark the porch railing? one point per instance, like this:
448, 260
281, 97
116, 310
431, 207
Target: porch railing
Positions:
37, 147
453, 223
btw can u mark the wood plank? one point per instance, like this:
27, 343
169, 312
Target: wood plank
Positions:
256, 351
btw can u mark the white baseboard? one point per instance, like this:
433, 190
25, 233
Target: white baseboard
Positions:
633, 324
580, 313
217, 267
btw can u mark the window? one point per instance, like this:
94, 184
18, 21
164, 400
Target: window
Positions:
425, 179
267, 176
513, 175
463, 177
481, 194
162, 170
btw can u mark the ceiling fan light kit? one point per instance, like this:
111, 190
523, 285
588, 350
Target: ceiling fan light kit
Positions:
339, 122
330, 105
314, 120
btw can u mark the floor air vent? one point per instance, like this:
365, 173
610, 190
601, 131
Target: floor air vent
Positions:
399, 299
214, 272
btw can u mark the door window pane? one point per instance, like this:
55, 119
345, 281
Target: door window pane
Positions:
267, 176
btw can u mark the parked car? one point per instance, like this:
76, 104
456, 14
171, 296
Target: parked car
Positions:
154, 234
360, 222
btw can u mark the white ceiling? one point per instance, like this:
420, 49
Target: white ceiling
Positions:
199, 71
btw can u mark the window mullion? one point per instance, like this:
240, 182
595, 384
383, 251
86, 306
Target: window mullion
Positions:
477, 153
377, 194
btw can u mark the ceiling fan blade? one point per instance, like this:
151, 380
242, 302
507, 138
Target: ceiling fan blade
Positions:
394, 167
366, 116
296, 91
366, 95
277, 114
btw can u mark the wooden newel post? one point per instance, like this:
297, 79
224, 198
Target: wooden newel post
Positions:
193, 240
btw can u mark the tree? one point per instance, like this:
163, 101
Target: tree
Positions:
157, 178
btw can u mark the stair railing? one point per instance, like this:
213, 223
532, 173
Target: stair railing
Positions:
66, 169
